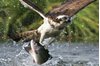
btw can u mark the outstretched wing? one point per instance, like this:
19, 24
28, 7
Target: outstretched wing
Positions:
25, 36
69, 8
29, 4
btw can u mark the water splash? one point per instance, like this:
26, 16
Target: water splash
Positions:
64, 54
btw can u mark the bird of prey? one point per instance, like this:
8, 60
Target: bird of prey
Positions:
54, 21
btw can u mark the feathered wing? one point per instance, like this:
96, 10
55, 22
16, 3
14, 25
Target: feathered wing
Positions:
32, 6
25, 36
69, 8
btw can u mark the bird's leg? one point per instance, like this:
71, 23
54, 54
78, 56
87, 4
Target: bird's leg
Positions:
51, 40
48, 41
42, 37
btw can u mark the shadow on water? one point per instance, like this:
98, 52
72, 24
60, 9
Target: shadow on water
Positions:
64, 54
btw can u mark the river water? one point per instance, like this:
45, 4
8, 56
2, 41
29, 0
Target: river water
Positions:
64, 54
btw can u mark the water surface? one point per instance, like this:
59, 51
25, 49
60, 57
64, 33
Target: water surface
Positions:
64, 54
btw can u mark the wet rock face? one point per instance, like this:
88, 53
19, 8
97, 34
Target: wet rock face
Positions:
64, 54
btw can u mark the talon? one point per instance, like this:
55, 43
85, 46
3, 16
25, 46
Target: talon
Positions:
46, 46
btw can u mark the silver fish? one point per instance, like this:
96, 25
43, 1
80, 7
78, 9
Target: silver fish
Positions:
38, 52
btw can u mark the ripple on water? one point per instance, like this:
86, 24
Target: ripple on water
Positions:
64, 54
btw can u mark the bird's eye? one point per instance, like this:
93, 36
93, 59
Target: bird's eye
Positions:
69, 20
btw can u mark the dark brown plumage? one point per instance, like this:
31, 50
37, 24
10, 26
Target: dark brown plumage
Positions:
69, 8
25, 36
54, 21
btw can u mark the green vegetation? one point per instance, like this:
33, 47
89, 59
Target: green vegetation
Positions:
15, 18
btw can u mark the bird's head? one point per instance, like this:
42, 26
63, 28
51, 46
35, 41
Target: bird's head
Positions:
64, 19
61, 21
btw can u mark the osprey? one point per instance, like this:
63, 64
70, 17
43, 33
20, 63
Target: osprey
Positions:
53, 23
55, 20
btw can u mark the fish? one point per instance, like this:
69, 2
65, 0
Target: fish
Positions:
39, 53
